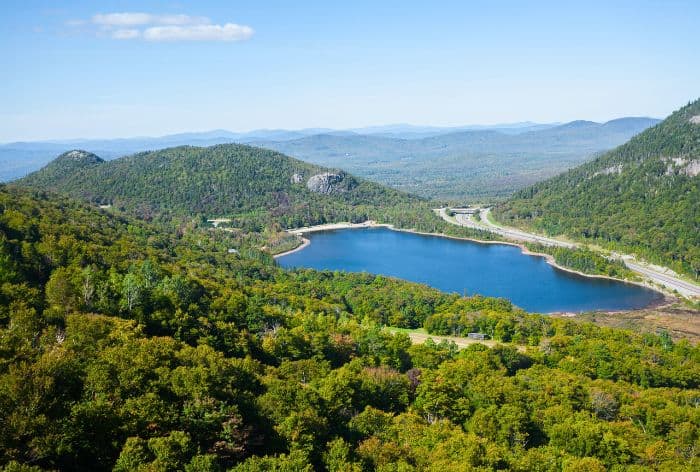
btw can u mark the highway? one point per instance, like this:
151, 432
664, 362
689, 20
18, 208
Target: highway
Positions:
660, 277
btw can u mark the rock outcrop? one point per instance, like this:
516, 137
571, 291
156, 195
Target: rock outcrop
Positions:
325, 183
79, 156
297, 178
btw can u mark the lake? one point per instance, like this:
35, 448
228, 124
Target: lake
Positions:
495, 270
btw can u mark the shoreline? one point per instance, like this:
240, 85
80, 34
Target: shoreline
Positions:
304, 242
664, 298
669, 289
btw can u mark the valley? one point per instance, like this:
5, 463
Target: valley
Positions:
145, 317
349, 236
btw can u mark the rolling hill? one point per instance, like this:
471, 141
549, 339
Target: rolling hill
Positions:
464, 165
643, 197
449, 163
224, 180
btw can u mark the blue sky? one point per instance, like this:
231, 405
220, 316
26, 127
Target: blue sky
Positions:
125, 68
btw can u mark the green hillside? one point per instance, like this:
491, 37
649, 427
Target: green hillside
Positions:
642, 197
256, 188
65, 166
124, 348
224, 180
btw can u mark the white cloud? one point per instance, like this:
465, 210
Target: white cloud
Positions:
122, 19
227, 32
180, 20
126, 33
140, 19
131, 25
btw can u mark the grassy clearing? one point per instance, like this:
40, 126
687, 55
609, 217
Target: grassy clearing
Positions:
420, 335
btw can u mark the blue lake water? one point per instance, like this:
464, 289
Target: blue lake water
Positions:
495, 270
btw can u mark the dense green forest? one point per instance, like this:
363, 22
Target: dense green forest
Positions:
261, 191
642, 197
226, 180
585, 260
126, 347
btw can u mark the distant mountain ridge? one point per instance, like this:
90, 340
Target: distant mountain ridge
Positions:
20, 158
464, 165
643, 196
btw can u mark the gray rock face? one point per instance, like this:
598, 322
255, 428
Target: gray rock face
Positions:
297, 178
78, 155
325, 183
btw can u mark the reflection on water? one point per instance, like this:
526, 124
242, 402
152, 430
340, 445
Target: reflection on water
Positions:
450, 265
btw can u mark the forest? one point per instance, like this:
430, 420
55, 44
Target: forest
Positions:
251, 186
125, 345
585, 260
641, 198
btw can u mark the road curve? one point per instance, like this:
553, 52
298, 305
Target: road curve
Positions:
683, 287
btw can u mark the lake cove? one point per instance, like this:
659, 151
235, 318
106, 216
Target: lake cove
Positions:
495, 270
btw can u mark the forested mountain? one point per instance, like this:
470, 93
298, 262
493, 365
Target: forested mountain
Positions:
464, 165
459, 163
64, 167
126, 348
260, 191
225, 180
21, 158
642, 197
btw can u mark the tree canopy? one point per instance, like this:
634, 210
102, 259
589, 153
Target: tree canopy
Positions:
124, 346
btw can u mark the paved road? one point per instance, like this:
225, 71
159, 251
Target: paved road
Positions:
467, 220
683, 287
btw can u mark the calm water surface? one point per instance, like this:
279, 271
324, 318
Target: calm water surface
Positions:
450, 265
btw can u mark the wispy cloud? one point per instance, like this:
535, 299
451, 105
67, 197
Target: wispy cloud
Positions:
227, 32
126, 33
153, 27
138, 19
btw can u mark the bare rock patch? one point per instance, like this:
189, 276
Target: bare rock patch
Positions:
325, 183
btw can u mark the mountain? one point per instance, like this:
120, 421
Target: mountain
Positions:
20, 158
223, 180
66, 165
406, 131
467, 165
642, 197
465, 168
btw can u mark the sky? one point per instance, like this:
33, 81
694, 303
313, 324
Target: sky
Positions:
86, 69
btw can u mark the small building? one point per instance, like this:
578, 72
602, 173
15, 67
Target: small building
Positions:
479, 336
217, 221
233, 251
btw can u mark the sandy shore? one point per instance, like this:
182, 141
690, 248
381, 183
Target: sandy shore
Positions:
325, 227
332, 226
304, 242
